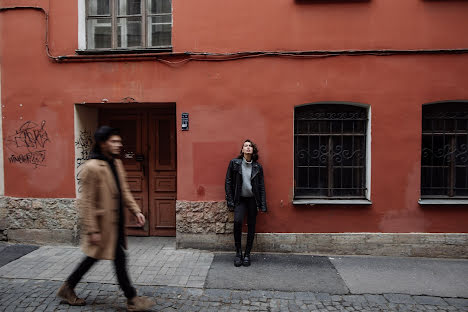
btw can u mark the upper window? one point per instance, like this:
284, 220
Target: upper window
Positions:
330, 151
444, 153
128, 24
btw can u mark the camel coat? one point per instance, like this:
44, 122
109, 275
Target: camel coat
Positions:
98, 203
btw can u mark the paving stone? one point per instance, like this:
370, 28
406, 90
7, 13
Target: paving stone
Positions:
380, 299
304, 295
323, 297
217, 293
399, 298
354, 298
457, 302
436, 301
283, 295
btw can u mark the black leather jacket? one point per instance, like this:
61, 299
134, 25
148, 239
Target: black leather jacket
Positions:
233, 184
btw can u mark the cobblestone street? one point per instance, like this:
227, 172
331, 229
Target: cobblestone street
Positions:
194, 280
39, 295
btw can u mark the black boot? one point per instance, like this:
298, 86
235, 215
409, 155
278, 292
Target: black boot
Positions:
248, 248
246, 261
238, 259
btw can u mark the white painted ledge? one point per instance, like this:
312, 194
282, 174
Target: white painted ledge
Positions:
332, 202
443, 201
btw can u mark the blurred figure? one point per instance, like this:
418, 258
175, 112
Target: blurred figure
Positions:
103, 203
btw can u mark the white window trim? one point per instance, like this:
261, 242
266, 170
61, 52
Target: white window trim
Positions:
366, 201
85, 118
331, 202
82, 27
368, 152
443, 201
81, 24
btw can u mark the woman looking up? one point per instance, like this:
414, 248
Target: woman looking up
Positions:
245, 195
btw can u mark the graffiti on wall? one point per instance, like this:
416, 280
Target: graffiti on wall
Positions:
28, 144
36, 158
83, 144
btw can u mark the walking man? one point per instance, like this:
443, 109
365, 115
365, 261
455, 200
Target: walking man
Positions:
103, 202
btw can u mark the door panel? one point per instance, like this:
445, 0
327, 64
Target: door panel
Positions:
162, 164
165, 214
164, 140
132, 126
149, 157
164, 184
135, 184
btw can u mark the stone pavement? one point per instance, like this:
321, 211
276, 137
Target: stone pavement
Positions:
13, 252
151, 261
185, 280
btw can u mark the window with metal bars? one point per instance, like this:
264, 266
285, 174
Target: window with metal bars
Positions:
330, 151
128, 24
444, 150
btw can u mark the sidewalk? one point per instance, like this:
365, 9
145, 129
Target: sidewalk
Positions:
194, 280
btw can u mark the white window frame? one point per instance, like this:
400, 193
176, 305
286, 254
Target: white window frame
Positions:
82, 42
81, 24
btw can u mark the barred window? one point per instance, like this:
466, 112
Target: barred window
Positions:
330, 151
444, 151
128, 24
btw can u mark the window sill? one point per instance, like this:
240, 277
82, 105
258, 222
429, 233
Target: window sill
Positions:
123, 51
332, 202
443, 201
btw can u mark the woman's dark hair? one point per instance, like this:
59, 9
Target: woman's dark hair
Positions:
102, 135
255, 151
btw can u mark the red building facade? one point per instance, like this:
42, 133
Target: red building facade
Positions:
343, 99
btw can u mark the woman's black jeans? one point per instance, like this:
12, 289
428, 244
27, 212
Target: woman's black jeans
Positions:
247, 206
120, 269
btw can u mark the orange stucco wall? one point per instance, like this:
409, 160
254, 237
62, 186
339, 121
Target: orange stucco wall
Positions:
252, 98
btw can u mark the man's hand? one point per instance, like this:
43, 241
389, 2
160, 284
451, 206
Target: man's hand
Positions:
95, 238
140, 219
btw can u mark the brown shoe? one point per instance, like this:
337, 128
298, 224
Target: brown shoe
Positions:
139, 303
68, 295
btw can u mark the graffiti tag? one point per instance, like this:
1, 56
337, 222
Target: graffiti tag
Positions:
36, 158
83, 144
28, 144
31, 135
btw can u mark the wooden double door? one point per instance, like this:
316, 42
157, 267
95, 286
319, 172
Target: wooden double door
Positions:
149, 158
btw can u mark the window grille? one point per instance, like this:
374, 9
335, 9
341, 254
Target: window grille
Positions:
330, 151
444, 151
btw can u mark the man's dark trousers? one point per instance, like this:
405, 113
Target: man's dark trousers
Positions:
120, 269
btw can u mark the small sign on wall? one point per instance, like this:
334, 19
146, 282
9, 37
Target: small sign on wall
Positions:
185, 122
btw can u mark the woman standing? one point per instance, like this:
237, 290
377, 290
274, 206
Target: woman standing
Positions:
245, 195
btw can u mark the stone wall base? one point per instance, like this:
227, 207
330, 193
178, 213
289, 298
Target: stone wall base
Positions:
39, 220
208, 225
442, 245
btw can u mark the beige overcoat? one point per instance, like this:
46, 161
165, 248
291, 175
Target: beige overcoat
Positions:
98, 203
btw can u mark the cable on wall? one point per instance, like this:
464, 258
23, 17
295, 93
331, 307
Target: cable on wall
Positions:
175, 59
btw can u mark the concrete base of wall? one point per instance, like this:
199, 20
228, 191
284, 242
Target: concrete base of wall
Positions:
42, 237
443, 245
